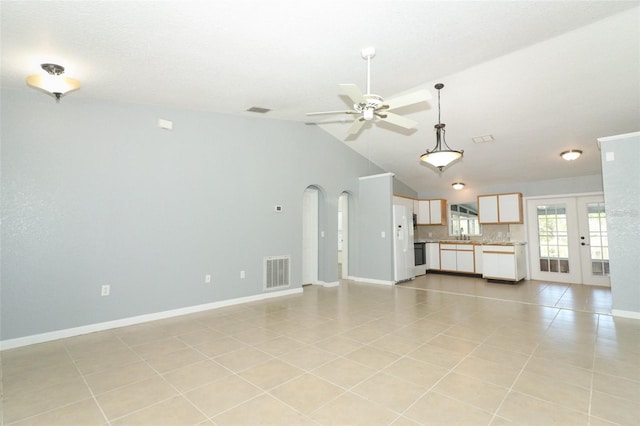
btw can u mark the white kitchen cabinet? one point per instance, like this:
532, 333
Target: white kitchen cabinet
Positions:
477, 251
488, 209
465, 259
503, 262
500, 208
433, 255
437, 212
457, 258
448, 256
424, 217
432, 212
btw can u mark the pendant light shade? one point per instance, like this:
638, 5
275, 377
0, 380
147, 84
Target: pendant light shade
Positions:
53, 82
439, 157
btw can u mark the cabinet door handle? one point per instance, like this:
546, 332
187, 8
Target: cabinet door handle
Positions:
584, 244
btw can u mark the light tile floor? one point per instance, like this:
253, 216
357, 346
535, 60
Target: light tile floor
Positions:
439, 350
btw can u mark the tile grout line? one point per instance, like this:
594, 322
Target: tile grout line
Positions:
510, 390
93, 396
593, 371
450, 370
511, 300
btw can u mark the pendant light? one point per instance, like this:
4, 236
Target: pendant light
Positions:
53, 82
439, 157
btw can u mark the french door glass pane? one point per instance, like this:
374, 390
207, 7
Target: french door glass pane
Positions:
598, 241
553, 241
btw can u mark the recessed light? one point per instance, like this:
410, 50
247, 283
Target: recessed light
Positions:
571, 155
457, 186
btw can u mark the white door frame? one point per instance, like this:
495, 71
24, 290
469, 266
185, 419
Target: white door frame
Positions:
577, 257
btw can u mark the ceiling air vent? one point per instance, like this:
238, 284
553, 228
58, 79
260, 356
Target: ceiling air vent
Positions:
259, 110
482, 139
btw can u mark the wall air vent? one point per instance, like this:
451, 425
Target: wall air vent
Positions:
276, 272
259, 110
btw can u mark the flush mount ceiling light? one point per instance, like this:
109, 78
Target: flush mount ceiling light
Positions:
439, 157
53, 82
458, 186
571, 155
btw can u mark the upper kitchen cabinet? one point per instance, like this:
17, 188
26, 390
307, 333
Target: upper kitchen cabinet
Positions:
500, 208
431, 212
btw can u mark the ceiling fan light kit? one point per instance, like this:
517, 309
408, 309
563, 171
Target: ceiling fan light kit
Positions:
371, 107
53, 82
571, 155
439, 157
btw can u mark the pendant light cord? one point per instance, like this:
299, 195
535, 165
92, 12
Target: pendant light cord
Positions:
439, 121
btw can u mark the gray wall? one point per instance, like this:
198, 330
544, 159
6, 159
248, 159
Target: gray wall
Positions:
621, 178
376, 199
95, 193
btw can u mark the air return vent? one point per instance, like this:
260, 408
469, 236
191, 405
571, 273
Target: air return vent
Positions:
259, 110
277, 272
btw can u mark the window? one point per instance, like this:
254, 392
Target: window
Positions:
599, 244
463, 220
553, 238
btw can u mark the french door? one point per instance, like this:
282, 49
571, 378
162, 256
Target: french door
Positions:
568, 240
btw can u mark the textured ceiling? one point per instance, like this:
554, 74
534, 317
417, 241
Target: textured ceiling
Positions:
541, 77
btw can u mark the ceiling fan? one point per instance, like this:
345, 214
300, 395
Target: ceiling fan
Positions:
369, 107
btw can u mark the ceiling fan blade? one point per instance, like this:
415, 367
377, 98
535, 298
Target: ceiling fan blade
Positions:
408, 99
333, 112
356, 126
353, 92
398, 120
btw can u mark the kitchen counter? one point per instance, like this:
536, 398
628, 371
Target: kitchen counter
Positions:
480, 243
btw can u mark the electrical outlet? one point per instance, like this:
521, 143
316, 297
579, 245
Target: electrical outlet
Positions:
106, 290
207, 279
242, 274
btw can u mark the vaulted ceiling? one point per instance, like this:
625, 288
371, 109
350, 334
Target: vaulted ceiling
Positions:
540, 77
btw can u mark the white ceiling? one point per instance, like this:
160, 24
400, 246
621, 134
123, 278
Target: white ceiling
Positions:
540, 76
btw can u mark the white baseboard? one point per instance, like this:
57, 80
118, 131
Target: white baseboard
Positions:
333, 284
371, 281
92, 328
625, 314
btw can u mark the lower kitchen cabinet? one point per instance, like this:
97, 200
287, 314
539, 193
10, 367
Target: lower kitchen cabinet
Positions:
432, 253
503, 262
457, 258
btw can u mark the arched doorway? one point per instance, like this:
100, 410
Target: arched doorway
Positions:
343, 235
310, 223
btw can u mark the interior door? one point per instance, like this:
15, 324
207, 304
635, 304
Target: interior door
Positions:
594, 245
554, 240
568, 240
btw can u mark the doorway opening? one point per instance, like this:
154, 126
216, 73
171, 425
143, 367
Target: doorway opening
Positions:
310, 241
343, 235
